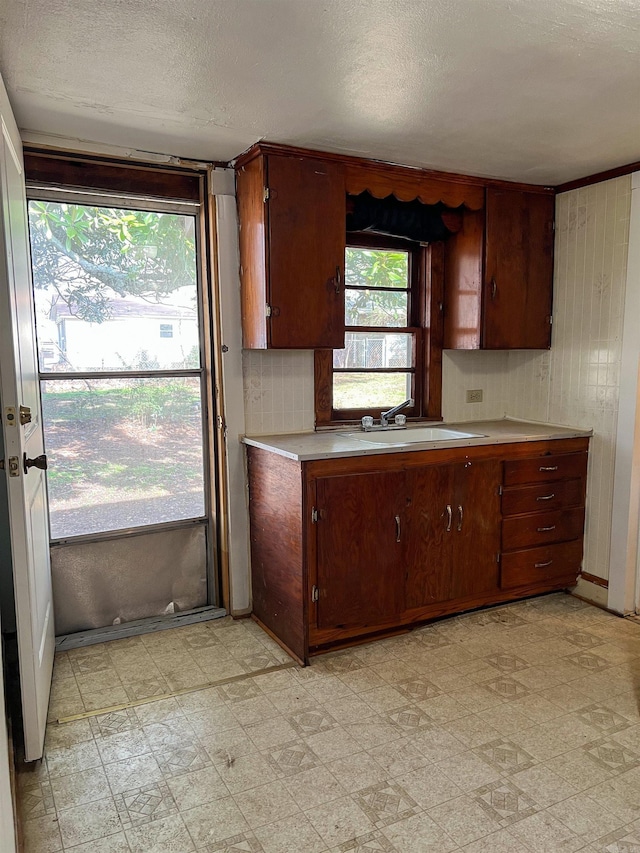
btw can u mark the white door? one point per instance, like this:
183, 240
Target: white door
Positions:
23, 443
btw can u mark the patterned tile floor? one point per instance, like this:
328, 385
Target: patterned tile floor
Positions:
513, 730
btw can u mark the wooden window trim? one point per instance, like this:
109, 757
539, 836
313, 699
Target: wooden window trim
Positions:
427, 319
77, 171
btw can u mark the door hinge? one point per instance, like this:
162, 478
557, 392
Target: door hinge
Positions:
14, 466
267, 310
314, 593
314, 515
265, 193
551, 319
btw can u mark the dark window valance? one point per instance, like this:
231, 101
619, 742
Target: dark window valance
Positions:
411, 220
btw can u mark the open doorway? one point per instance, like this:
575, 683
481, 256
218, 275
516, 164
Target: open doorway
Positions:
121, 321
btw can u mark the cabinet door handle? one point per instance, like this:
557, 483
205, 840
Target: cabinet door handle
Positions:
546, 497
494, 288
546, 529
338, 280
460, 518
397, 528
549, 468
449, 517
542, 565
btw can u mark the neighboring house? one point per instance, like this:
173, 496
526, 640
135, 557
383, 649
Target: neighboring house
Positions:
138, 333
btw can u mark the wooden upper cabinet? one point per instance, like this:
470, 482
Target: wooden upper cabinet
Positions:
518, 275
292, 213
499, 273
498, 267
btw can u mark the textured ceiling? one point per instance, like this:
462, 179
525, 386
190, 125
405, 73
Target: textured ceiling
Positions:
534, 90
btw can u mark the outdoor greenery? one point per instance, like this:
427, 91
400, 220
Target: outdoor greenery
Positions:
373, 269
88, 254
376, 294
144, 402
369, 390
106, 419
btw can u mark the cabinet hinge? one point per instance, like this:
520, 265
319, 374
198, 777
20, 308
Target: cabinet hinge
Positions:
551, 319
314, 593
265, 194
314, 515
498, 557
500, 491
267, 310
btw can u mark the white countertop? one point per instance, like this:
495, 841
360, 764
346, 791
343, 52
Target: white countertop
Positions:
307, 446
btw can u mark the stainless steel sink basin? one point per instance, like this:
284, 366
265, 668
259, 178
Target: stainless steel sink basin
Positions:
412, 435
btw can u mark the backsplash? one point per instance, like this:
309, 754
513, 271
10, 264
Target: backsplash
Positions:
278, 391
278, 388
467, 370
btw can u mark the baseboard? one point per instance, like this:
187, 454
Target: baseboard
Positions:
594, 579
592, 593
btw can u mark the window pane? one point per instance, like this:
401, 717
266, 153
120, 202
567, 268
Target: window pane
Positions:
376, 308
114, 289
376, 268
374, 349
370, 390
122, 453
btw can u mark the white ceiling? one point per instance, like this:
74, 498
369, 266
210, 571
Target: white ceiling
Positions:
534, 90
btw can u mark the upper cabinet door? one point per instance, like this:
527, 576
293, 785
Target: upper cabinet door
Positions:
307, 235
518, 270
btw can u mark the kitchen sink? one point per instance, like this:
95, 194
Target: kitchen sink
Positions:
412, 435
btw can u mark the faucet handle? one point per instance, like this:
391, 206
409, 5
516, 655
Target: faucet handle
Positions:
367, 422
400, 420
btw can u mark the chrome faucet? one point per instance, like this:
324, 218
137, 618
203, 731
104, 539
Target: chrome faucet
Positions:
385, 417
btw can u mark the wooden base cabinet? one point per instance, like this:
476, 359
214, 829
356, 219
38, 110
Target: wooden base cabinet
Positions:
344, 550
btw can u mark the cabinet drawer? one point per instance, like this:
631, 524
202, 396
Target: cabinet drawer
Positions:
527, 531
563, 466
537, 565
522, 499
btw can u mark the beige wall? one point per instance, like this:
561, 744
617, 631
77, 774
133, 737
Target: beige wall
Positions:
575, 383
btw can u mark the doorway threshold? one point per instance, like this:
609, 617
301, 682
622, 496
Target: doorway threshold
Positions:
136, 627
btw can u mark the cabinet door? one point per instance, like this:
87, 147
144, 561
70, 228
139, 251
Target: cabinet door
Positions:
476, 528
306, 216
518, 270
360, 566
429, 536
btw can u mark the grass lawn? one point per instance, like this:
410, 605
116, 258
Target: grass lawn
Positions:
366, 390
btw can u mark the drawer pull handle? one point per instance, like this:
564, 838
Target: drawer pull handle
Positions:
546, 529
549, 468
460, 518
449, 518
397, 528
546, 497
542, 565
